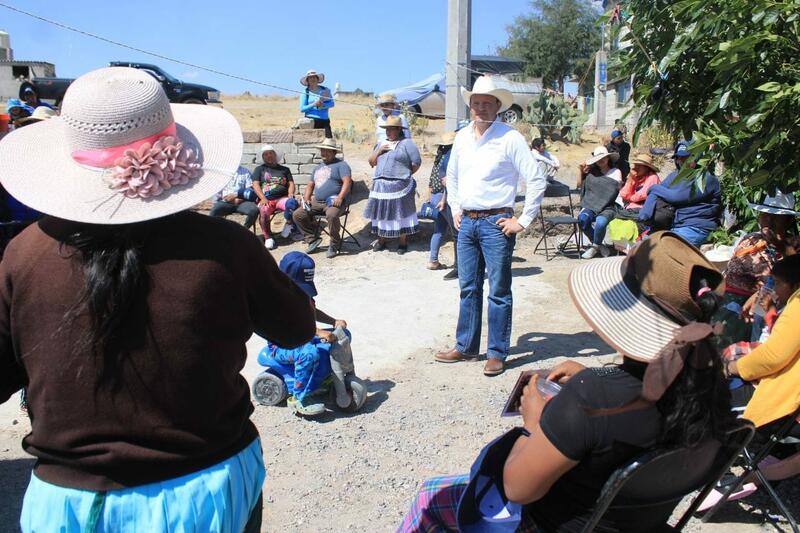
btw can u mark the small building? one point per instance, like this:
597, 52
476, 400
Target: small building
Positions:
12, 73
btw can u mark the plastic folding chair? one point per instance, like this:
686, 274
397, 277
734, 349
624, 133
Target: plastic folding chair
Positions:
751, 461
346, 236
655, 482
550, 224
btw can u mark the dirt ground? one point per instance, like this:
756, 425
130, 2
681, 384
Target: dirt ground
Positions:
359, 471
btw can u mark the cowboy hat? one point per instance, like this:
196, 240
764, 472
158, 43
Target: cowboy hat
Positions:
487, 85
120, 153
328, 144
39, 114
393, 121
386, 98
447, 138
320, 77
633, 302
780, 204
646, 160
599, 153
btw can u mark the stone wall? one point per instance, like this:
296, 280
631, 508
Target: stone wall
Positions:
295, 148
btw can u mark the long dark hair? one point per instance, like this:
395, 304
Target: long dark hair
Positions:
697, 406
115, 286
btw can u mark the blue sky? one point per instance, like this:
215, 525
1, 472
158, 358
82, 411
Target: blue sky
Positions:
364, 44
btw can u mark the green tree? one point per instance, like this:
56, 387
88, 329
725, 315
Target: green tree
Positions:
725, 73
557, 40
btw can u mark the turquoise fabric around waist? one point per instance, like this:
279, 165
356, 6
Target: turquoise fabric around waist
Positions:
217, 499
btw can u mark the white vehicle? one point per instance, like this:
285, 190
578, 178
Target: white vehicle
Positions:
427, 97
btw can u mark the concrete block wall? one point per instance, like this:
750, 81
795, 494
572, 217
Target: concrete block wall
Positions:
295, 150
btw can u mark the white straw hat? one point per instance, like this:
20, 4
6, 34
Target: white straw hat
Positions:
320, 76
120, 153
599, 153
780, 204
328, 144
39, 114
487, 85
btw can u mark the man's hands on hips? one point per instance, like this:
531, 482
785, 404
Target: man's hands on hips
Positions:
509, 226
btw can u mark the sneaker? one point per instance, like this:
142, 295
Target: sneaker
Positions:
453, 274
605, 251
269, 244
313, 245
297, 406
590, 252
286, 231
331, 253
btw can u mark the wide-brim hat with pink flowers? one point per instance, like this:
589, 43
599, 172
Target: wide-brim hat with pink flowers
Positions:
120, 152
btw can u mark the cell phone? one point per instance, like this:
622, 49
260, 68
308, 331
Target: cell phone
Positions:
548, 389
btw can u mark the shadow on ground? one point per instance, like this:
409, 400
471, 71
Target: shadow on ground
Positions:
378, 393
539, 346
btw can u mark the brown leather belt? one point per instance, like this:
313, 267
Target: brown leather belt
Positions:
483, 213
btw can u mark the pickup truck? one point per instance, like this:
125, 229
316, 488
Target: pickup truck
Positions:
177, 91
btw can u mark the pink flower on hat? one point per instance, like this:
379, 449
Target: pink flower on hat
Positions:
151, 169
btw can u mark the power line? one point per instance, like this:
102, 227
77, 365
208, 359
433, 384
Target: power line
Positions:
189, 64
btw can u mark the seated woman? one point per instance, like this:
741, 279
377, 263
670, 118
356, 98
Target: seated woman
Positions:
750, 266
603, 417
642, 177
599, 182
696, 211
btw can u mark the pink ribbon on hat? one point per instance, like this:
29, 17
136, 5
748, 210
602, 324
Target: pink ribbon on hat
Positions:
106, 157
147, 167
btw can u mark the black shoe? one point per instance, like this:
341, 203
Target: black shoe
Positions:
378, 246
331, 253
453, 274
313, 245
402, 249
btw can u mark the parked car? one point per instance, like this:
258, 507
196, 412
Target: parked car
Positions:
427, 97
178, 92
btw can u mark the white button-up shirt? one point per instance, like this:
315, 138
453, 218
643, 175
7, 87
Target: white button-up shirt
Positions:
484, 173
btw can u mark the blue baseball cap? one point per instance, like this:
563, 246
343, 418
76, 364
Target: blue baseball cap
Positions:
300, 269
615, 134
682, 149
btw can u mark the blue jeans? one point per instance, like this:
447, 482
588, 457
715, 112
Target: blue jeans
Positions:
442, 223
482, 245
596, 232
695, 236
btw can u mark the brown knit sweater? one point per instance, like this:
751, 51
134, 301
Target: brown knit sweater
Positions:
178, 403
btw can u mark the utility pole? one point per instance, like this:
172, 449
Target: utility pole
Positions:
459, 36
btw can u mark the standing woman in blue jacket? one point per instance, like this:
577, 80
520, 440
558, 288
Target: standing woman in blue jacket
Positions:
316, 100
697, 212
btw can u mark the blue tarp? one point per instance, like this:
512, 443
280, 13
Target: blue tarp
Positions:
418, 91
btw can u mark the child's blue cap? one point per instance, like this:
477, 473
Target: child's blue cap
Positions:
300, 269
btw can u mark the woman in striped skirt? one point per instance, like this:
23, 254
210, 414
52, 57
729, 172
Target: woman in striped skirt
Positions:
391, 206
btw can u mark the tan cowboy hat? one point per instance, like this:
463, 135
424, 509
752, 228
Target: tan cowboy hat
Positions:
646, 160
631, 302
120, 153
328, 144
386, 99
39, 114
488, 85
393, 121
447, 138
599, 153
320, 76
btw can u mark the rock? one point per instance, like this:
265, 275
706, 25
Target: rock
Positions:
301, 159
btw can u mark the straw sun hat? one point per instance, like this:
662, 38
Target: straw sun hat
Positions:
320, 77
393, 121
120, 153
780, 204
386, 98
447, 138
487, 85
599, 153
646, 160
328, 144
39, 114
633, 302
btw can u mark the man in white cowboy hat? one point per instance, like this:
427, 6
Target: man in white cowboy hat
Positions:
316, 100
387, 107
486, 163
327, 193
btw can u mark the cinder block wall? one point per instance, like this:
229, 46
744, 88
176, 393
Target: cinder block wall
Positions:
295, 149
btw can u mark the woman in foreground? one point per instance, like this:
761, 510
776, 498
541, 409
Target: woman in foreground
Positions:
126, 316
574, 441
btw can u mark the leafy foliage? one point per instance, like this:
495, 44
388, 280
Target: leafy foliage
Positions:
557, 40
555, 118
728, 77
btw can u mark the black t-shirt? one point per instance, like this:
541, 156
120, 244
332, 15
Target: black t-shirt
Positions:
274, 180
600, 443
